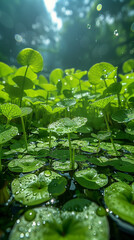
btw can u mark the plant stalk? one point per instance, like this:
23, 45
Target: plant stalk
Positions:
111, 139
70, 150
0, 157
24, 132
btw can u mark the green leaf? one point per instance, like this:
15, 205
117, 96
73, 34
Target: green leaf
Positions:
128, 66
25, 165
32, 58
5, 70
123, 116
56, 75
66, 103
130, 128
7, 133
118, 198
48, 87
29, 73
63, 166
113, 88
99, 72
67, 125
52, 224
90, 178
25, 111
10, 110
102, 103
23, 82
32, 189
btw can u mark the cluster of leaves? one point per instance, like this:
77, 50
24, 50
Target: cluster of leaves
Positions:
97, 115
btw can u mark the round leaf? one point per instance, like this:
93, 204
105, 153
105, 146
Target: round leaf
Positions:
7, 133
25, 165
5, 69
123, 115
32, 189
67, 125
118, 198
89, 178
32, 58
63, 166
10, 110
99, 71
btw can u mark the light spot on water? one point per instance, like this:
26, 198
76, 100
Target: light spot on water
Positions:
99, 7
116, 33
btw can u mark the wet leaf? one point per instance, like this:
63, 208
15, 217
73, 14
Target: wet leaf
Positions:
25, 165
118, 198
7, 133
67, 125
90, 178
10, 110
32, 189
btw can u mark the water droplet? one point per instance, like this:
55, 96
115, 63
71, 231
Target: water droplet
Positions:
22, 235
101, 211
27, 235
116, 33
30, 215
89, 26
18, 221
99, 7
17, 192
47, 173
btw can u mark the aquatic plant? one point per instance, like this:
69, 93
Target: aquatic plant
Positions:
85, 125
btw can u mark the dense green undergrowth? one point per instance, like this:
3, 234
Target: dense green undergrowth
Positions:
67, 154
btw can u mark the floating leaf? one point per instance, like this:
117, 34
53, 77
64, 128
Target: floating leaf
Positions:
10, 110
32, 58
118, 198
25, 165
32, 189
7, 133
90, 178
4, 70
63, 166
123, 177
50, 223
122, 116
67, 125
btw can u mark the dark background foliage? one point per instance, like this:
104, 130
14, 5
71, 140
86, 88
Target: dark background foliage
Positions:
87, 35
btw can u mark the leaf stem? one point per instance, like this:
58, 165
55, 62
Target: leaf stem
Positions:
0, 157
23, 85
111, 139
70, 150
24, 132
